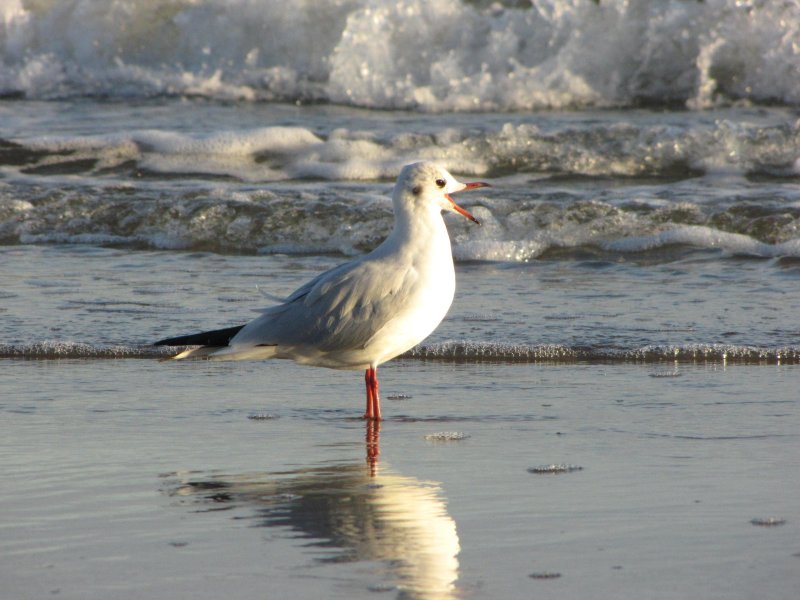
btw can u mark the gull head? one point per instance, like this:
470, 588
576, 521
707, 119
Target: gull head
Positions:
427, 185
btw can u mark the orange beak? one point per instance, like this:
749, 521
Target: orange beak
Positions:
467, 186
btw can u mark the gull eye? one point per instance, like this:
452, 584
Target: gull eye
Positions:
441, 183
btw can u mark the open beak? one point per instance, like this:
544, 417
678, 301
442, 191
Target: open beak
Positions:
467, 186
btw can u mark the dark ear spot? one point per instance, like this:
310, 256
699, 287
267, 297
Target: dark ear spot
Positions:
416, 190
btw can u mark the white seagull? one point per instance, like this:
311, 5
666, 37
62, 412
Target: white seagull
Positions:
367, 311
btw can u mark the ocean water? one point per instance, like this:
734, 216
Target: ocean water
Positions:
625, 234
610, 408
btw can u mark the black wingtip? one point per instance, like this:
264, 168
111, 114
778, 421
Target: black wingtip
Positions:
217, 337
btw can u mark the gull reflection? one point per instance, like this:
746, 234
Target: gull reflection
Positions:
359, 512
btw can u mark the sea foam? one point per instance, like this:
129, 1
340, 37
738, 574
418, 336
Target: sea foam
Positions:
460, 351
431, 55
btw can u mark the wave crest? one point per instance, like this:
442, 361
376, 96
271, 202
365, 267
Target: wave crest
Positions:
502, 56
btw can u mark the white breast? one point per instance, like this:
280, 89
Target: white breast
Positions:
427, 304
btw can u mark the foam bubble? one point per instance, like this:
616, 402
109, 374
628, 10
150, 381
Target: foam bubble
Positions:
262, 417
768, 521
447, 436
545, 575
554, 469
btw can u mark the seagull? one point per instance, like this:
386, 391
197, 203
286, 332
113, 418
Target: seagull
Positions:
365, 312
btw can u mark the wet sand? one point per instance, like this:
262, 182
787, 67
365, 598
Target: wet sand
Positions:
140, 479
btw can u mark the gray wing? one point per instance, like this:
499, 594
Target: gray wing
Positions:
342, 308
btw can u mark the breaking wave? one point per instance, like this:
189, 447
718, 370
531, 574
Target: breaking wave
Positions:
292, 190
502, 55
748, 144
351, 220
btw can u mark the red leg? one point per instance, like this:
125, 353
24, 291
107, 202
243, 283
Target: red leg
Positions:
373, 402
368, 380
376, 401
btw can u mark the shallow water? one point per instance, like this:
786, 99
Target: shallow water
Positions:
86, 301
250, 479
261, 477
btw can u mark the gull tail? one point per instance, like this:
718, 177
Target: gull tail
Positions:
209, 342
